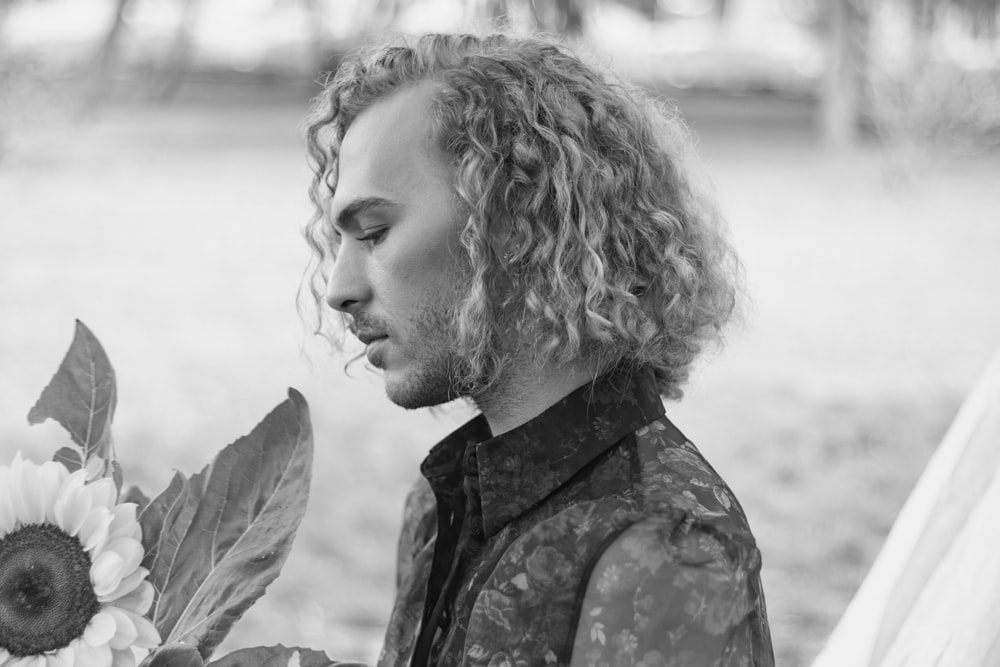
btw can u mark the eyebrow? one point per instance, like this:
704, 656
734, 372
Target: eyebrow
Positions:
350, 213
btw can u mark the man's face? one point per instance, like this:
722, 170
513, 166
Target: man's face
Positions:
399, 268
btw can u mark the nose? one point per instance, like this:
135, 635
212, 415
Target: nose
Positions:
347, 288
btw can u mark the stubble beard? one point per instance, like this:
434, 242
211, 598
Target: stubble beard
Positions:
436, 368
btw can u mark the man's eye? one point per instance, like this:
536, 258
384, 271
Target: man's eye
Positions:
373, 237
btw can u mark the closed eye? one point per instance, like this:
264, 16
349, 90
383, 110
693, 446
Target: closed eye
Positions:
374, 237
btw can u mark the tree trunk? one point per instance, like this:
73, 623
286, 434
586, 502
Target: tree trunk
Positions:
569, 17
719, 9
497, 11
317, 33
181, 53
104, 61
840, 103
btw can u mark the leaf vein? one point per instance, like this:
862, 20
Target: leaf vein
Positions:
282, 480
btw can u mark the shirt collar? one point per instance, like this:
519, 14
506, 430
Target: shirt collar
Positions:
514, 472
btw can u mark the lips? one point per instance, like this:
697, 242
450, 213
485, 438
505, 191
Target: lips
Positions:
373, 347
368, 338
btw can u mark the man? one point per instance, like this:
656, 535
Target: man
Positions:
500, 222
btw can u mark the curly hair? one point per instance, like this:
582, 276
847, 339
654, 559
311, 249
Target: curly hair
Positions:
587, 232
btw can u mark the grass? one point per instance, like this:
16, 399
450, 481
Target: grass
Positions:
173, 233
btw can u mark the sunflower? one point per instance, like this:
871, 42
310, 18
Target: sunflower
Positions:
72, 593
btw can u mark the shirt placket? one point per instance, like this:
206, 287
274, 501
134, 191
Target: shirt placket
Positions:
451, 534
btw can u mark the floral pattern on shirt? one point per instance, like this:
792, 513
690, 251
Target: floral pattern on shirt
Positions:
529, 602
656, 598
596, 535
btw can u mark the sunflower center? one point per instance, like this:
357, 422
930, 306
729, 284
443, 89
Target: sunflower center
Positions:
46, 598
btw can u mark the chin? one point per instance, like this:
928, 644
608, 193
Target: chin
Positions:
418, 389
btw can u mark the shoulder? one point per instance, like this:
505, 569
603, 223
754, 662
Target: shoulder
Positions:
599, 580
675, 553
591, 543
673, 476
665, 589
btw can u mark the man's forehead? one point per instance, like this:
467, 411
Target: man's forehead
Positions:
392, 142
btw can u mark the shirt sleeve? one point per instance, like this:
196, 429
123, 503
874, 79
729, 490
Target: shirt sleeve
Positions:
661, 596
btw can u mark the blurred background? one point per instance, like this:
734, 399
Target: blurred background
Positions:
153, 184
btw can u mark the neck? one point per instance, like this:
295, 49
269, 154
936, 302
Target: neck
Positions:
528, 390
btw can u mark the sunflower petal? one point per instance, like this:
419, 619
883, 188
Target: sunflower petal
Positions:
124, 523
34, 661
104, 492
129, 549
58, 659
73, 505
51, 476
127, 586
7, 518
122, 658
91, 656
67, 655
95, 467
106, 572
76, 480
94, 529
148, 636
125, 632
100, 630
27, 495
139, 600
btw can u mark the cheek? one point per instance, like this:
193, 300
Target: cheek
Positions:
433, 264
406, 278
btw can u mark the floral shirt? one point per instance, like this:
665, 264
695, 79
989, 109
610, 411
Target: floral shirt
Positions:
593, 535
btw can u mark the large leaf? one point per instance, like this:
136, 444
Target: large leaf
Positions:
165, 522
69, 457
214, 542
175, 655
274, 656
133, 494
81, 396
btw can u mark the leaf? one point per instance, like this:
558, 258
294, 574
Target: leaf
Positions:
175, 655
81, 396
133, 494
164, 523
273, 656
217, 540
117, 475
69, 457
176, 508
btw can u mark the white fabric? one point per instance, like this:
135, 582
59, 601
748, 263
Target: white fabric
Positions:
932, 596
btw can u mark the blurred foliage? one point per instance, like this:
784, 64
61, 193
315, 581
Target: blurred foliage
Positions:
935, 87
909, 69
923, 96
927, 96
35, 98
979, 15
